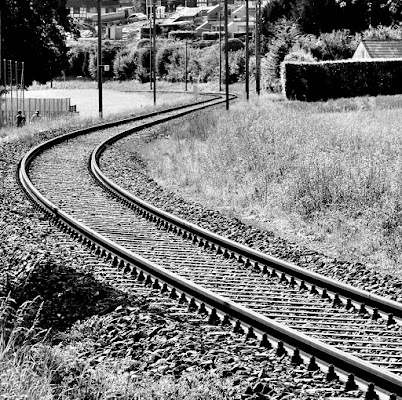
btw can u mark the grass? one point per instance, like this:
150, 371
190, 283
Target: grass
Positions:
31, 368
116, 108
326, 175
127, 86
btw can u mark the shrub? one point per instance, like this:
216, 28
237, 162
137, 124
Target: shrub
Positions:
176, 64
207, 63
78, 59
145, 31
210, 35
334, 79
237, 66
233, 45
337, 45
109, 51
163, 57
144, 65
280, 45
181, 35
201, 44
125, 64
142, 43
383, 32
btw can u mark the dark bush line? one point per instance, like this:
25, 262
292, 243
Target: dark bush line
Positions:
334, 79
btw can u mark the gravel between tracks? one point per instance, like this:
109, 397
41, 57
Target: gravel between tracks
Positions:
158, 336
122, 163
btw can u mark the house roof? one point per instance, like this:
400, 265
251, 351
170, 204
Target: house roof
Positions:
189, 12
383, 48
91, 3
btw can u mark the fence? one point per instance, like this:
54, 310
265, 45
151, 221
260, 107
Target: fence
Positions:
50, 108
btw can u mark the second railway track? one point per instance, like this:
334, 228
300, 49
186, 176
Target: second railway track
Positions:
355, 331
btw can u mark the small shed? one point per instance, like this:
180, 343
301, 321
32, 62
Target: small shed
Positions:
371, 49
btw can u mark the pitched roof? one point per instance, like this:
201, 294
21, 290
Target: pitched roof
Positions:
383, 48
91, 3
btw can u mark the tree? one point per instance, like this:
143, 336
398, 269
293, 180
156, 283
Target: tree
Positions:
35, 32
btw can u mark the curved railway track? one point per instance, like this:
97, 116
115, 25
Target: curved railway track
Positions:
355, 334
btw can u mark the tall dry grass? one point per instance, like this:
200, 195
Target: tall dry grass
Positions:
329, 179
31, 368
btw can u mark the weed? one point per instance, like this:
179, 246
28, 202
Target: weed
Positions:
297, 165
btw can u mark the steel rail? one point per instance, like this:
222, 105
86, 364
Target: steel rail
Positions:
380, 377
330, 355
247, 253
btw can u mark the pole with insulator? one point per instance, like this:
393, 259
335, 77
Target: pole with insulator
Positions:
247, 54
220, 48
100, 59
154, 52
226, 56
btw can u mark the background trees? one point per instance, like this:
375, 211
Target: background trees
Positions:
34, 32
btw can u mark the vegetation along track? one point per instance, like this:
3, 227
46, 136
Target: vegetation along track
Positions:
316, 318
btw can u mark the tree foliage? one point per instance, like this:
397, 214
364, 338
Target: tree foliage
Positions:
35, 32
322, 16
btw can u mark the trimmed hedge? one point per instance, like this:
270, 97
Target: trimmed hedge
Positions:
314, 81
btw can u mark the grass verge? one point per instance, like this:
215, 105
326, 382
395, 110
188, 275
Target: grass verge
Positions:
327, 175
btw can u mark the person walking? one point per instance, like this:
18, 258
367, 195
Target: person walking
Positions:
36, 117
20, 118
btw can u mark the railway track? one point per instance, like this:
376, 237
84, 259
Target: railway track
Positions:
351, 333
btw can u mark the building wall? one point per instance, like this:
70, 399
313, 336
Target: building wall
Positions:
87, 8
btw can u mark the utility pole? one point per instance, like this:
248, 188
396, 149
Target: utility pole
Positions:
226, 56
258, 48
100, 59
1, 75
185, 67
154, 52
220, 48
150, 47
247, 54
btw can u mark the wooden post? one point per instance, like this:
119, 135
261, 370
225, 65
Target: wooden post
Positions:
150, 46
100, 60
258, 48
247, 54
1, 75
11, 92
16, 84
220, 47
154, 52
185, 62
226, 56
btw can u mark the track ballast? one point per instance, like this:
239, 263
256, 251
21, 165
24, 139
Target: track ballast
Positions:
252, 288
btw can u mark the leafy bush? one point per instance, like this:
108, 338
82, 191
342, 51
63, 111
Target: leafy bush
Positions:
145, 31
142, 43
382, 32
78, 59
125, 64
233, 45
237, 66
285, 37
181, 35
144, 65
334, 79
109, 51
337, 45
210, 35
163, 57
206, 63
